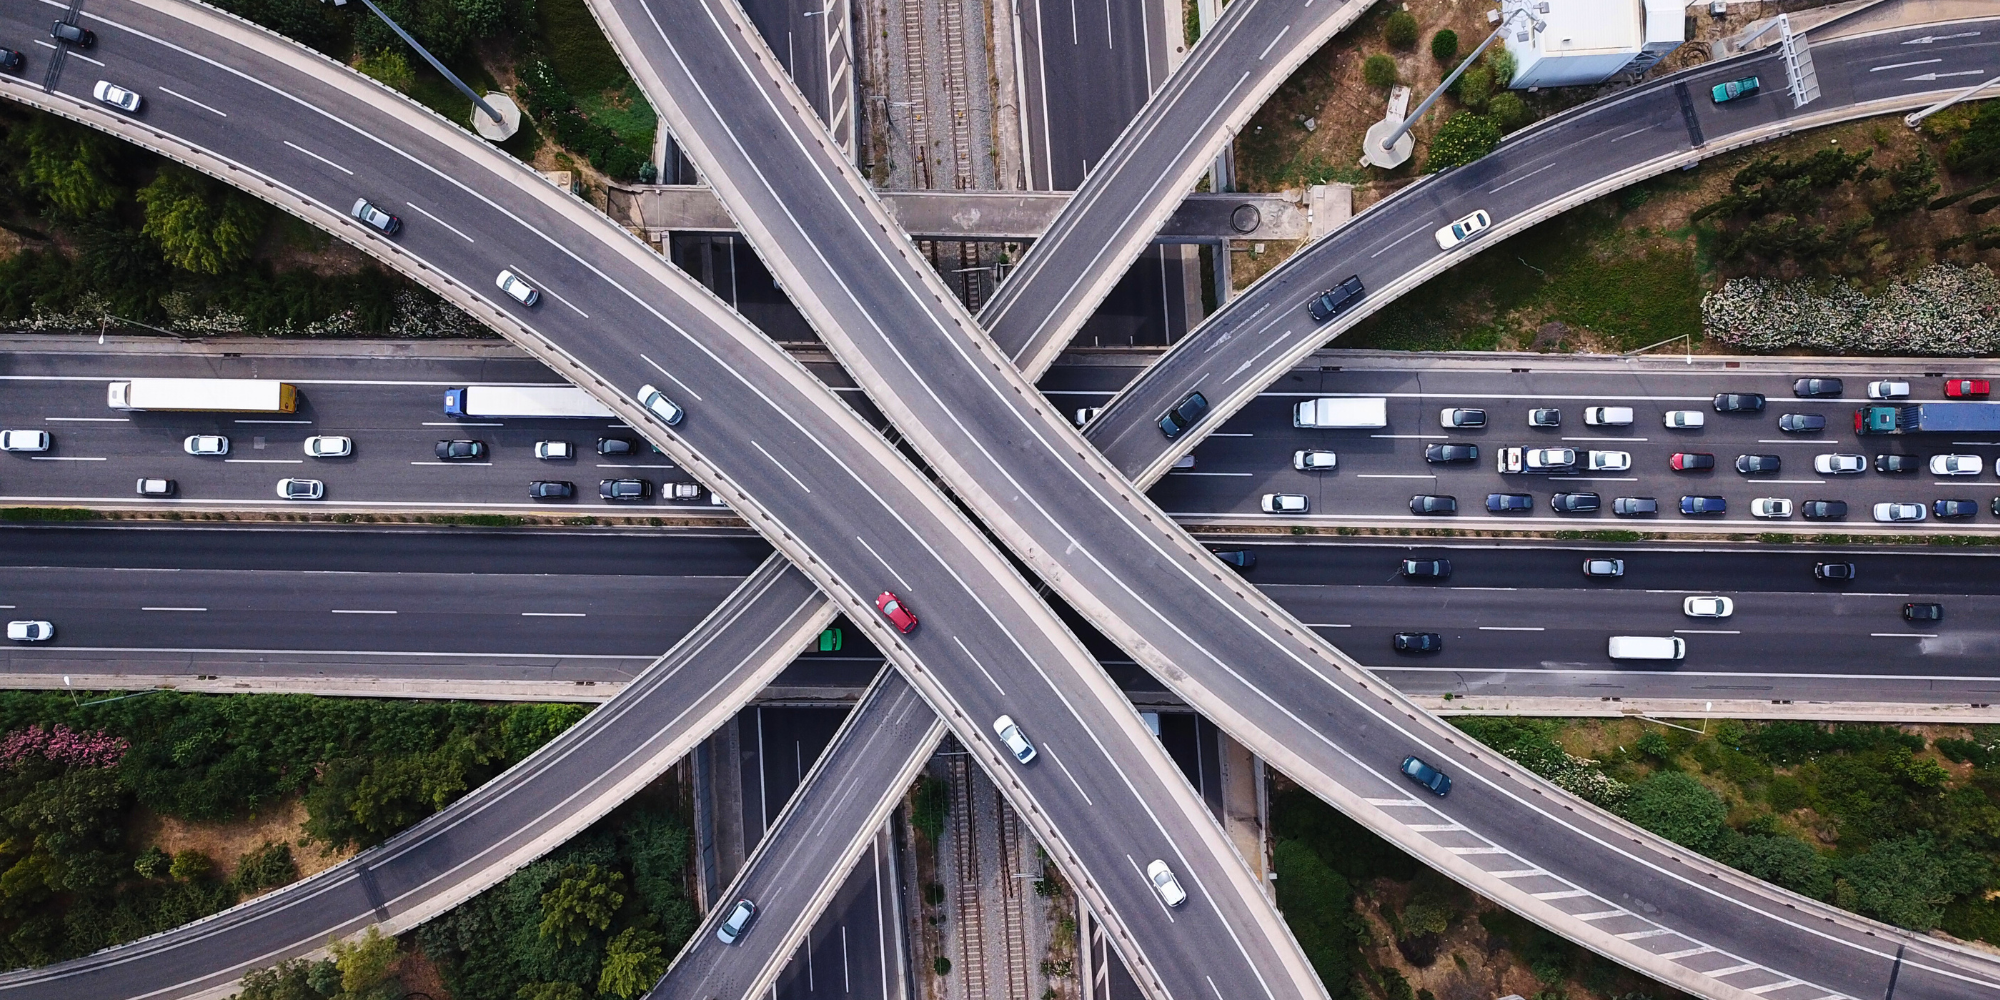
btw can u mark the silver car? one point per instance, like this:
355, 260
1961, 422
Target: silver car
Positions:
1899, 512
737, 922
116, 96
1313, 461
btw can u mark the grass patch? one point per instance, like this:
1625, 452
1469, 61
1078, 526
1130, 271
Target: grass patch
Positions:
47, 514
586, 64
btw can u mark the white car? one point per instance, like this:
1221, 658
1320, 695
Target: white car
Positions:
156, 487
116, 96
301, 489
1708, 607
1314, 461
329, 446
1086, 414
1956, 465
738, 921
1010, 734
24, 440
516, 289
662, 407
1462, 230
1684, 420
1840, 465
1452, 418
1165, 883
1550, 459
1609, 461
1886, 389
30, 631
1772, 507
1607, 416
554, 450
205, 444
1899, 512
1284, 503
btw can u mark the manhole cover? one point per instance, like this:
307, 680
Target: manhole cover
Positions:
1245, 218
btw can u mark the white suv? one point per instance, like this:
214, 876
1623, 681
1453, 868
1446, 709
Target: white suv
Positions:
1284, 503
662, 407
24, 440
1610, 461
206, 444
329, 446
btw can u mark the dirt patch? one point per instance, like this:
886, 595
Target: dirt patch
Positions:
418, 975
1250, 259
226, 843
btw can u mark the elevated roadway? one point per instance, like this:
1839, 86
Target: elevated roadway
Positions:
784, 452
1535, 174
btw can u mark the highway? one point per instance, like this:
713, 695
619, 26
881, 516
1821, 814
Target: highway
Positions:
1552, 165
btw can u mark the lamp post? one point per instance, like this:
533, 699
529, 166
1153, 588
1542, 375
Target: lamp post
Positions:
1385, 146
501, 126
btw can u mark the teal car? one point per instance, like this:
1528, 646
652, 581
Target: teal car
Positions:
1734, 89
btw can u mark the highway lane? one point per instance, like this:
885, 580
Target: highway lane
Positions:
1564, 160
874, 519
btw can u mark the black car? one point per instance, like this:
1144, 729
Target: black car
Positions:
1923, 612
1545, 417
1502, 503
1898, 463
1426, 503
1801, 423
82, 38
1839, 572
1823, 510
1739, 402
1434, 569
1183, 415
1635, 506
1329, 303
1439, 454
1996, 506
1955, 508
1574, 503
1816, 387
1426, 775
624, 489
461, 450
550, 489
611, 447
1242, 559
1750, 464
10, 60
1418, 642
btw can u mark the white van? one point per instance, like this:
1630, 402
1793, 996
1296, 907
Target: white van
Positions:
1647, 647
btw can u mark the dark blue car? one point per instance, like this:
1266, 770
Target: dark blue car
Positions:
1704, 505
1427, 776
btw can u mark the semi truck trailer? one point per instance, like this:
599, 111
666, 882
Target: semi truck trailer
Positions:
1929, 418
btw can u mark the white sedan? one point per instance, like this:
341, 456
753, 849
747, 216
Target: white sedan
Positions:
1840, 465
206, 444
329, 446
516, 289
30, 631
24, 440
1956, 465
1165, 883
1771, 507
1708, 607
1284, 503
1462, 230
116, 96
1899, 512
1010, 734
1610, 461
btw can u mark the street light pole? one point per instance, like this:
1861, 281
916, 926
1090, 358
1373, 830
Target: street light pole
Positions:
1916, 118
477, 101
1411, 121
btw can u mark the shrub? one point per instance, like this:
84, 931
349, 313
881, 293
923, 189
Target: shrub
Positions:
1401, 30
1444, 45
1785, 861
152, 863
1319, 907
1463, 138
1474, 87
1508, 110
189, 865
928, 804
1501, 62
1906, 881
200, 225
1679, 808
1379, 71
266, 867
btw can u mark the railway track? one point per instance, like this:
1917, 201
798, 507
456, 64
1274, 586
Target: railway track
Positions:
1013, 906
919, 127
971, 918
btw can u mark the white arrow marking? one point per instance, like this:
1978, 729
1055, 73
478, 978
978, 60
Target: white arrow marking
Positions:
1906, 65
1928, 39
1940, 76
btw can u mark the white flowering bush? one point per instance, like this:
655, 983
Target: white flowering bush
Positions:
1944, 310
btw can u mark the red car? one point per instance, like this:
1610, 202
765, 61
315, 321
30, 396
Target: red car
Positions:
892, 608
1691, 461
1967, 388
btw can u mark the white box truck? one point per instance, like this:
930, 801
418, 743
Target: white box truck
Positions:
1647, 647
221, 395
1342, 412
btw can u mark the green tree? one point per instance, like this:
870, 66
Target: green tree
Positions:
268, 866
291, 980
1379, 70
550, 991
1679, 808
1444, 45
364, 961
1501, 62
1781, 860
633, 962
199, 225
1463, 138
69, 166
1508, 110
1319, 906
1400, 31
1977, 150
928, 804
586, 898
658, 845
1907, 881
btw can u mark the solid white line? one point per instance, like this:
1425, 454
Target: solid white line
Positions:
270, 421
1274, 43
1603, 439
454, 462
1799, 482
780, 465
420, 209
1519, 179
266, 461
1593, 479
1599, 915
1220, 434
194, 102
1708, 631
1905, 635
885, 563
1391, 475
125, 420
173, 609
318, 157
64, 458
1399, 239
981, 666
1512, 628
1510, 589
1326, 625
1562, 894
678, 382
351, 611
1241, 474
608, 465
1797, 441
519, 273
401, 654
1065, 770
464, 423
1438, 437
554, 614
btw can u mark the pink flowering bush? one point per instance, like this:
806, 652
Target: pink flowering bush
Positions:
62, 745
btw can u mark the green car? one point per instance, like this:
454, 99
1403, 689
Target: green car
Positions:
830, 641
1735, 89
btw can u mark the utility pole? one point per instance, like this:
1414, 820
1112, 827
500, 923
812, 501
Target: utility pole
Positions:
1384, 151
500, 129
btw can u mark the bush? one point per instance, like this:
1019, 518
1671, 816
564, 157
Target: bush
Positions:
266, 867
1401, 30
1319, 907
1463, 138
1379, 71
1474, 87
1942, 310
1501, 62
1444, 45
188, 866
1679, 808
1508, 110
1906, 881
1784, 861
928, 804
